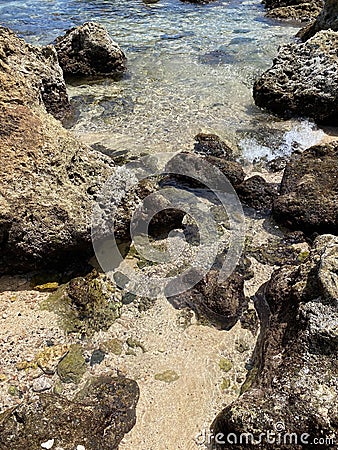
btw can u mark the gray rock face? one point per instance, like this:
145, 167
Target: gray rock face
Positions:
48, 187
309, 191
41, 70
303, 80
293, 381
97, 419
88, 50
326, 20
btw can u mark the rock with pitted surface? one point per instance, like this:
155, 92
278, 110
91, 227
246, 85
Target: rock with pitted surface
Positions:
302, 12
212, 145
326, 20
309, 191
48, 188
303, 80
88, 50
292, 388
97, 419
257, 193
31, 75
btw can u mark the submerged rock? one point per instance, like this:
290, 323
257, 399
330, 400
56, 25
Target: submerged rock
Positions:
326, 20
309, 191
31, 75
292, 387
219, 302
212, 145
303, 80
72, 366
88, 50
97, 419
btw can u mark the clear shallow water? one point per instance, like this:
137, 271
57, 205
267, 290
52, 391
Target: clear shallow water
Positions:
190, 69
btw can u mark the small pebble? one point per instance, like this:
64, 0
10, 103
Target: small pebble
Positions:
80, 447
48, 444
41, 384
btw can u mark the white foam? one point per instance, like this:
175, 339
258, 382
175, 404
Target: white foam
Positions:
302, 136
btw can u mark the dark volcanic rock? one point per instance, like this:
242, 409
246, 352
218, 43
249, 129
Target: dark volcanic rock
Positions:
35, 67
97, 419
88, 50
301, 13
303, 80
309, 191
257, 193
326, 20
220, 302
212, 145
292, 387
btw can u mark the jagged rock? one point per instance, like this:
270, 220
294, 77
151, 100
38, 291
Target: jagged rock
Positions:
31, 75
220, 302
292, 387
302, 12
309, 191
326, 20
88, 50
257, 193
72, 366
303, 80
212, 145
97, 418
48, 188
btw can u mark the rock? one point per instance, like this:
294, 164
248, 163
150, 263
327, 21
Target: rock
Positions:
277, 164
30, 75
292, 383
114, 346
97, 357
41, 384
303, 12
88, 50
98, 418
48, 188
72, 366
326, 20
212, 145
219, 302
168, 376
303, 80
309, 191
257, 193
48, 444
85, 304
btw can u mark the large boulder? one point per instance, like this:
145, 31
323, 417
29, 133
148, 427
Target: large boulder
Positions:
97, 419
31, 75
49, 183
291, 388
326, 20
303, 80
88, 50
309, 191
301, 10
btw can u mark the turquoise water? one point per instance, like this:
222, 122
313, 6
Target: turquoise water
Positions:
190, 69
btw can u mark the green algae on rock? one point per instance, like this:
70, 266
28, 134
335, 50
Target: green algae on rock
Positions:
168, 376
98, 418
85, 304
72, 366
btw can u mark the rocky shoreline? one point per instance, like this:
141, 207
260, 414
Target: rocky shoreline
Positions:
248, 354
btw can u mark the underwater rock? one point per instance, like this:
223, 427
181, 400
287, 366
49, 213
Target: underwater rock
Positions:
303, 80
292, 387
72, 366
86, 304
97, 418
218, 302
309, 191
88, 50
212, 145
